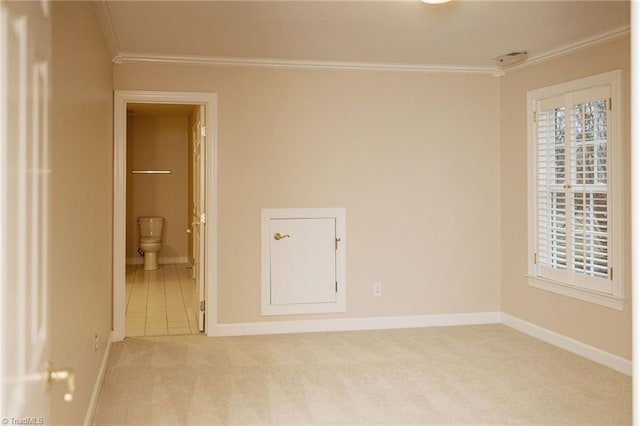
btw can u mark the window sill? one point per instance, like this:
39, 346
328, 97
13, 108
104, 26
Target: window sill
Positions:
577, 293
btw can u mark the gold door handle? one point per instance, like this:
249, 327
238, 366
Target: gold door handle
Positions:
277, 236
62, 376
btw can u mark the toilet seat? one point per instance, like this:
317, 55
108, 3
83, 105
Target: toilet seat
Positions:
146, 240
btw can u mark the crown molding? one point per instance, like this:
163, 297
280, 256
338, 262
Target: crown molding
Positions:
101, 9
103, 14
570, 48
129, 57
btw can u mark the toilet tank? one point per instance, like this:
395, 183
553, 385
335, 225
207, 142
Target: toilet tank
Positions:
150, 226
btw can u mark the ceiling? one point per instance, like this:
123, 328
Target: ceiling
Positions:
460, 35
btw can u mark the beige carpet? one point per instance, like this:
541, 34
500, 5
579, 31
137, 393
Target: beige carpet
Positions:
443, 375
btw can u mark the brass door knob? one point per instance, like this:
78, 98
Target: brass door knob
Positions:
277, 236
64, 376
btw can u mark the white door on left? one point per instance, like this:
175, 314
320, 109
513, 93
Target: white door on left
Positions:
25, 37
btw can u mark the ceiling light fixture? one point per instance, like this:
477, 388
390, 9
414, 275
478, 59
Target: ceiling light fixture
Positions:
435, 1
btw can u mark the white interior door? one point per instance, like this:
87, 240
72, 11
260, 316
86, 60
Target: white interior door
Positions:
198, 219
25, 33
303, 261
195, 181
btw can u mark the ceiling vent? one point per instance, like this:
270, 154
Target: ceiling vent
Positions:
511, 58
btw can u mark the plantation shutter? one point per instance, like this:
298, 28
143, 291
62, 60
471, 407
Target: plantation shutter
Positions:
551, 197
572, 193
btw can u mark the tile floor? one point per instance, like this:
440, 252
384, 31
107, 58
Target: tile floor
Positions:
162, 302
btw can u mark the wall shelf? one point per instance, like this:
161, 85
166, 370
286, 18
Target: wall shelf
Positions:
151, 172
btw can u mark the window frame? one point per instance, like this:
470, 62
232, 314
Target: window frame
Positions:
615, 207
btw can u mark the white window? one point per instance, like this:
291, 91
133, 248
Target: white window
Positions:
575, 189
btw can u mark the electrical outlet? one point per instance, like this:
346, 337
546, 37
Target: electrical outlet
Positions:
377, 289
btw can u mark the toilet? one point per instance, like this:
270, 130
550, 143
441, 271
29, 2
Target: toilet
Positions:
150, 243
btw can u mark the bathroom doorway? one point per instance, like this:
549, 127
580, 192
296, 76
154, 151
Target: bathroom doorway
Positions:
163, 182
163, 167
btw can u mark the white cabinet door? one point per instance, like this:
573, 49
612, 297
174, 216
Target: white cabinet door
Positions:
303, 261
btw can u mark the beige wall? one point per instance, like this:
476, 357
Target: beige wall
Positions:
158, 142
605, 328
81, 207
414, 158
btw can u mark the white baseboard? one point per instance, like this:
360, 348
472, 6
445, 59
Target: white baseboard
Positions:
380, 323
161, 260
351, 324
592, 353
97, 386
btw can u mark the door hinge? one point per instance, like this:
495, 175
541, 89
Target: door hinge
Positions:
609, 103
535, 258
535, 116
203, 131
611, 274
336, 286
203, 305
337, 241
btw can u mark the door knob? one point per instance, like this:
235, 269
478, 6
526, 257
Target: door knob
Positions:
62, 376
277, 236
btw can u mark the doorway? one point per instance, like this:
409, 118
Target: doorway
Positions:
186, 269
162, 287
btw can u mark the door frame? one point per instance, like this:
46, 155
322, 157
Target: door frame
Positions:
120, 101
